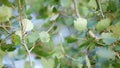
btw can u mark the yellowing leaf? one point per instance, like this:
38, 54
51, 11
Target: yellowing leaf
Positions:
27, 25
80, 24
103, 24
5, 13
44, 36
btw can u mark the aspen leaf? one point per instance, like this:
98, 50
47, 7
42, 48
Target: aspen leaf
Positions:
27, 25
5, 13
19, 33
80, 24
44, 36
103, 24
92, 4
105, 53
116, 29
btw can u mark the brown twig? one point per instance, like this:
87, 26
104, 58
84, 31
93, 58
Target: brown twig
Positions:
23, 35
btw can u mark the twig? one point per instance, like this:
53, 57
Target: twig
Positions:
23, 35
53, 24
32, 47
100, 8
76, 8
64, 53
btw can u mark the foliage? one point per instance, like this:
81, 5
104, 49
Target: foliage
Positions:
60, 33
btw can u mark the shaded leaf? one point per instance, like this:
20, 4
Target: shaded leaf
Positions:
107, 38
105, 53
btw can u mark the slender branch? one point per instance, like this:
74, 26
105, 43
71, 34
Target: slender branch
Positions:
100, 8
76, 8
64, 53
23, 35
53, 24
32, 47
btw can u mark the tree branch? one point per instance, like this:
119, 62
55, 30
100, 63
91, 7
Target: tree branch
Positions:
23, 35
76, 8
100, 8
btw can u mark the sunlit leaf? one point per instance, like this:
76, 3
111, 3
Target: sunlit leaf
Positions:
44, 36
92, 4
27, 25
33, 37
5, 13
19, 33
103, 24
116, 29
47, 63
80, 24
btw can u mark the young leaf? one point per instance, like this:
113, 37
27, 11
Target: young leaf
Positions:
27, 25
5, 13
80, 24
116, 29
92, 4
103, 24
44, 36
47, 63
19, 33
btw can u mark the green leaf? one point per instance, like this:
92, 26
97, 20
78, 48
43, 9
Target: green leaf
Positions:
117, 48
103, 24
27, 64
87, 62
107, 38
7, 47
16, 39
33, 37
47, 63
116, 29
71, 39
44, 36
105, 53
27, 25
2, 54
112, 6
80, 24
5, 13
65, 3
92, 4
